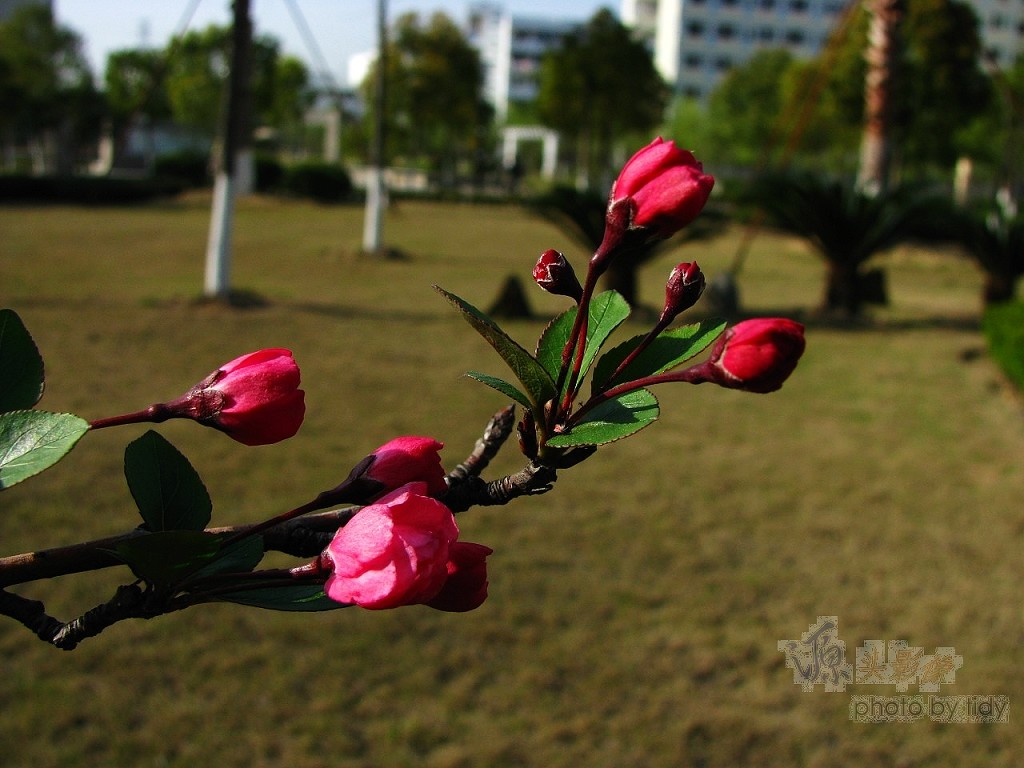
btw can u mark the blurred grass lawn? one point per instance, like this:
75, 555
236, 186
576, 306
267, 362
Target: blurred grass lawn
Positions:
634, 612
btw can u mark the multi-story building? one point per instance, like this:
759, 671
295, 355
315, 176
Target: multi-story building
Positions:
511, 49
695, 42
8, 7
1002, 29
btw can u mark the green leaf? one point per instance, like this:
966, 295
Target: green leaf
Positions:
167, 490
607, 312
31, 441
502, 386
292, 597
670, 349
21, 365
165, 558
553, 340
535, 380
612, 420
240, 557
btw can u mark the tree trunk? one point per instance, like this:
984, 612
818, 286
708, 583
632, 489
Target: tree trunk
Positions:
998, 288
843, 290
882, 55
622, 277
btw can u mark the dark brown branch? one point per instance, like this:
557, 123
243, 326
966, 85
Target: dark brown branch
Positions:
494, 436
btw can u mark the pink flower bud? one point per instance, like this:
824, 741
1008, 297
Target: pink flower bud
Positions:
393, 552
406, 460
555, 275
756, 355
685, 285
254, 399
667, 185
466, 586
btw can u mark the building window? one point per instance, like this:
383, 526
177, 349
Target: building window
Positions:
794, 37
798, 6
766, 34
767, 5
723, 63
726, 32
693, 61
695, 29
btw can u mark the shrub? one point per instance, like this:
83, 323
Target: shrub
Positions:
85, 190
269, 173
322, 182
188, 166
1004, 329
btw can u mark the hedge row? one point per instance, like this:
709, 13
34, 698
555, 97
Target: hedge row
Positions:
1003, 325
323, 182
85, 190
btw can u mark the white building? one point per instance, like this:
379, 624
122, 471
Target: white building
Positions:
1002, 29
695, 42
511, 49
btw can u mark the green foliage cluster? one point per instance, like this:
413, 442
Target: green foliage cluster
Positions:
941, 94
435, 111
1004, 330
599, 88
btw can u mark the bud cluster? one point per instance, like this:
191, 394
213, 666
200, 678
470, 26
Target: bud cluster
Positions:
660, 190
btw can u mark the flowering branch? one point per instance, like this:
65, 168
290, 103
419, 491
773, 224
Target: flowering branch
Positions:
387, 536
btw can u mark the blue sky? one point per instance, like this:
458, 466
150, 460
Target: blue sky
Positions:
340, 27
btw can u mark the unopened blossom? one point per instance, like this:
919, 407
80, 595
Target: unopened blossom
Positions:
255, 398
466, 585
756, 355
555, 275
684, 287
408, 459
667, 186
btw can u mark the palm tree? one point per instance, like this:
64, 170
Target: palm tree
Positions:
846, 226
994, 238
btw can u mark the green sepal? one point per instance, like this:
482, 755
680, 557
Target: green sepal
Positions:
670, 349
290, 597
611, 420
538, 384
502, 386
167, 490
31, 441
607, 312
21, 365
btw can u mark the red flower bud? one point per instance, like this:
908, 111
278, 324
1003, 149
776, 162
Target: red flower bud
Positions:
756, 355
254, 399
685, 285
406, 460
667, 185
555, 275
466, 587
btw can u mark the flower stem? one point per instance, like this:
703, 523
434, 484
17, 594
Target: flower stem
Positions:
155, 414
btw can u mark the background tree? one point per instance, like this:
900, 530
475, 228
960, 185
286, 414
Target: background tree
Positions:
133, 83
197, 69
940, 87
847, 227
46, 86
435, 112
598, 88
745, 110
